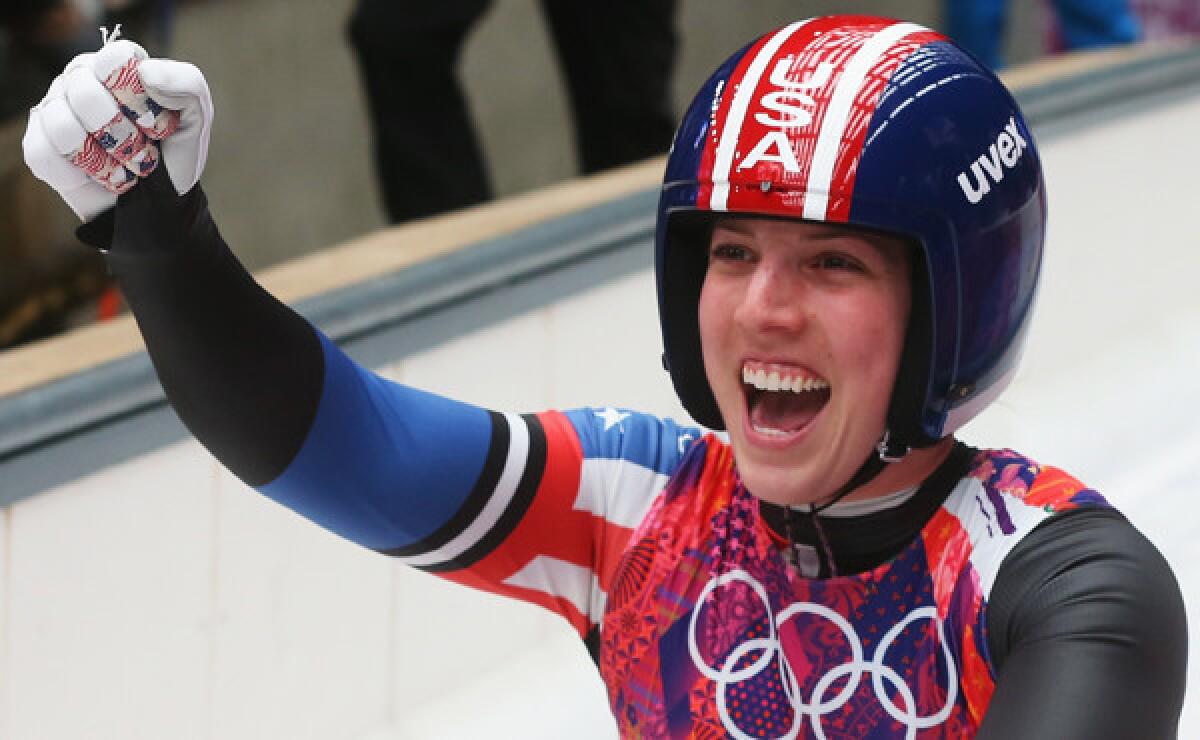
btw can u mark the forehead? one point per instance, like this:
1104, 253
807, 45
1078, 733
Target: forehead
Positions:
793, 231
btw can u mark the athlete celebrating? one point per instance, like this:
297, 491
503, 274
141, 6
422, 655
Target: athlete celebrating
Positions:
849, 239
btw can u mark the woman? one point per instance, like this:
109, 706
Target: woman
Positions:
849, 237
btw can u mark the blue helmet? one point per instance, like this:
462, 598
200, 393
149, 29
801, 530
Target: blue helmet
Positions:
880, 124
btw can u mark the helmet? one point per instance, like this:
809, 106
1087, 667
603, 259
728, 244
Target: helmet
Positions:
884, 125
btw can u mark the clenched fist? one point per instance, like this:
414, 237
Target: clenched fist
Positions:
109, 117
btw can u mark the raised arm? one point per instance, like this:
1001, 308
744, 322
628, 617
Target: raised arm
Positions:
498, 501
246, 374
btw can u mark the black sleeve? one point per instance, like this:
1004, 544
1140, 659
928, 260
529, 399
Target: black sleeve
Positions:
243, 371
1087, 630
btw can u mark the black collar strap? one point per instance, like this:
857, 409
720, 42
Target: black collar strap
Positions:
856, 544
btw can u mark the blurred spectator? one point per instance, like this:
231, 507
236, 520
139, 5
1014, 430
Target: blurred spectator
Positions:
1168, 18
617, 58
149, 22
37, 39
980, 25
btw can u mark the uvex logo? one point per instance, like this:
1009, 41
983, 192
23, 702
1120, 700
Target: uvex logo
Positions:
989, 167
793, 108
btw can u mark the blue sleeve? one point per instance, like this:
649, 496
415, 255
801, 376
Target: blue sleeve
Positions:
383, 464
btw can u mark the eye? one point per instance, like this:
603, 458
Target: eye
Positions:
837, 261
726, 252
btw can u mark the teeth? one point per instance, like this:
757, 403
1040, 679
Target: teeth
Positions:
760, 380
768, 431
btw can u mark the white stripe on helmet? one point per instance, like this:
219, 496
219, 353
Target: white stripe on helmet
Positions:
727, 146
833, 126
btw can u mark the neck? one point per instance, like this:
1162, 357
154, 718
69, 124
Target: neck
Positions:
824, 546
906, 473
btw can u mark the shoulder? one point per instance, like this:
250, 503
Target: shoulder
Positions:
1083, 588
1087, 588
701, 486
1089, 553
1024, 480
617, 434
1082, 569
1070, 534
1086, 604
1001, 499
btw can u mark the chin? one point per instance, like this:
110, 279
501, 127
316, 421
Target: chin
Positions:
786, 487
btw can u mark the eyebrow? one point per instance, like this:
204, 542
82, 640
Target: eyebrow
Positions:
826, 232
822, 231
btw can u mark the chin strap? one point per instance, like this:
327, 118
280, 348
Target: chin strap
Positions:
887, 451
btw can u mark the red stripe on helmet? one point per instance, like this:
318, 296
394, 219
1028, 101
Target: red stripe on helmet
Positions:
721, 104
866, 101
760, 150
739, 101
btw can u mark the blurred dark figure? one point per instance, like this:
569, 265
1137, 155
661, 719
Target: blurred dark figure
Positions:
980, 26
37, 39
617, 58
148, 22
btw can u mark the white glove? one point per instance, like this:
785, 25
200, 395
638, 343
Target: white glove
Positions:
94, 133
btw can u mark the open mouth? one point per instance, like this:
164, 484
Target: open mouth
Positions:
782, 400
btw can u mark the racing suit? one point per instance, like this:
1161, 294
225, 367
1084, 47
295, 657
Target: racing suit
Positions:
998, 599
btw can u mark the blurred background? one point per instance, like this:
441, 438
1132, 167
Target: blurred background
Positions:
291, 167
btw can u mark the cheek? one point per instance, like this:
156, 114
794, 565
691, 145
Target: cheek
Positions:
871, 339
709, 314
715, 318
895, 329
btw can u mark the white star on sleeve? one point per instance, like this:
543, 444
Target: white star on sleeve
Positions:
611, 417
683, 441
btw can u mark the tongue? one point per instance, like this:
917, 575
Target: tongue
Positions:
786, 411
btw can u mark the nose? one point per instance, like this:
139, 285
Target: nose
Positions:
775, 300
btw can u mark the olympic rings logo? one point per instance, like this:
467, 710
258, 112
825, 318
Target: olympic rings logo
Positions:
818, 704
